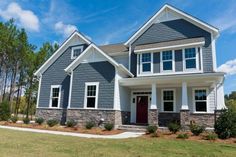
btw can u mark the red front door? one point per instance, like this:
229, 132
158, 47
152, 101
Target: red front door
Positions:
142, 109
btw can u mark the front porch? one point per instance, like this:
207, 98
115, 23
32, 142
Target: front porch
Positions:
164, 99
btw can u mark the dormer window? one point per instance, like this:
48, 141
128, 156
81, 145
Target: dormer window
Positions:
76, 51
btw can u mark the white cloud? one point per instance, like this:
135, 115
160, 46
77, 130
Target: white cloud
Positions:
65, 29
229, 67
25, 18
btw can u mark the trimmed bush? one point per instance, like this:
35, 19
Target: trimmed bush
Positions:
89, 125
183, 136
71, 123
26, 120
196, 129
4, 111
151, 129
52, 122
39, 120
211, 136
174, 127
109, 126
14, 119
225, 126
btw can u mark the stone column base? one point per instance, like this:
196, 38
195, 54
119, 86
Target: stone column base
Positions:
185, 118
153, 117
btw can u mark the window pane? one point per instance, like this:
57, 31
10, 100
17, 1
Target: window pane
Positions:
146, 67
54, 102
167, 65
190, 63
201, 106
200, 95
55, 92
168, 95
146, 57
91, 90
76, 52
168, 106
190, 53
167, 55
91, 102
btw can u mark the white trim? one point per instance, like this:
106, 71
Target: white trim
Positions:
213, 46
59, 96
194, 101
173, 62
70, 92
171, 47
185, 16
184, 91
72, 51
39, 89
130, 57
96, 96
59, 52
174, 101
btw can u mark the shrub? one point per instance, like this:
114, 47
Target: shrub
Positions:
14, 119
109, 126
183, 136
225, 124
173, 127
39, 120
211, 136
151, 129
89, 125
4, 111
26, 120
52, 122
71, 123
196, 129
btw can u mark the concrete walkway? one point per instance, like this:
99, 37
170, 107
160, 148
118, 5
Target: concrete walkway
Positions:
118, 136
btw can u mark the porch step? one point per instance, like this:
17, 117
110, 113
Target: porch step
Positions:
132, 128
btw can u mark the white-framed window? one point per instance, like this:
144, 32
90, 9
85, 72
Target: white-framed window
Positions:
76, 51
91, 94
146, 62
168, 100
190, 58
167, 61
200, 99
55, 96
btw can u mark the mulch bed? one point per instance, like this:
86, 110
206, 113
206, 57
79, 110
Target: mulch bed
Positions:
96, 131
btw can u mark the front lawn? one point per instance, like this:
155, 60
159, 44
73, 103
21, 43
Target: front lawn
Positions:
16, 143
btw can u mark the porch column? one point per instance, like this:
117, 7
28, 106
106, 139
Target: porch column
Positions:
153, 113
184, 112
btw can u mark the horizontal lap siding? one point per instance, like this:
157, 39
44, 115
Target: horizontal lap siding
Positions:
102, 72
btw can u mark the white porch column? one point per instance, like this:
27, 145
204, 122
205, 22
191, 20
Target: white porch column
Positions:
184, 97
220, 100
154, 97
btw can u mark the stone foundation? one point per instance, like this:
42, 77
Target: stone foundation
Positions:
48, 113
153, 117
166, 118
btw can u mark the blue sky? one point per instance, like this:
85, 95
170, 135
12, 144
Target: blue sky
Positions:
114, 21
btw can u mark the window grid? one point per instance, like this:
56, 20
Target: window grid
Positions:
146, 60
200, 98
168, 99
91, 94
55, 96
167, 60
190, 58
76, 51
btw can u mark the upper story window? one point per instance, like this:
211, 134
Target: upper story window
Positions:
55, 96
200, 100
146, 62
91, 94
190, 58
76, 51
167, 60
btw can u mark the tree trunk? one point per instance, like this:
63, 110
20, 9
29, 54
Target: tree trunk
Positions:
5, 85
29, 97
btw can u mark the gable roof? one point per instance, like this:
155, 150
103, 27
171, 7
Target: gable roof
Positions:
114, 49
59, 51
184, 15
79, 59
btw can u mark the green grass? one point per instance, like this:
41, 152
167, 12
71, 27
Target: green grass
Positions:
24, 144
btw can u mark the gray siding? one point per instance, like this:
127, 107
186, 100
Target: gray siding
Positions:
178, 60
156, 62
175, 30
102, 72
55, 75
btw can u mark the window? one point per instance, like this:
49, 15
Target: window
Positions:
55, 96
168, 100
76, 51
200, 100
190, 58
146, 60
91, 94
167, 60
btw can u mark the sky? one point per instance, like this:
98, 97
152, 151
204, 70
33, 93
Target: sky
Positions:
114, 21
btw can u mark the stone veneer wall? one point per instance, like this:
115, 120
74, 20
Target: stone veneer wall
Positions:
153, 117
48, 113
166, 118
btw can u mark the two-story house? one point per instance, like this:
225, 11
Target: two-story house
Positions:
166, 71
